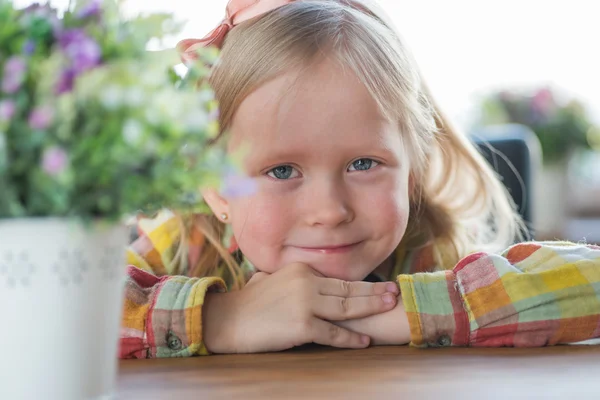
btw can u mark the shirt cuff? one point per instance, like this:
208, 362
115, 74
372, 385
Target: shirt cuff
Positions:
174, 325
435, 309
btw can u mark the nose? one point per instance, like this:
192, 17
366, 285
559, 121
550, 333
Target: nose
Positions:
327, 204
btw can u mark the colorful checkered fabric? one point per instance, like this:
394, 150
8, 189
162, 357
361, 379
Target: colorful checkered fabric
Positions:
162, 314
533, 294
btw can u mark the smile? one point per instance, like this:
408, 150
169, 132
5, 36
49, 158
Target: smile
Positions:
334, 249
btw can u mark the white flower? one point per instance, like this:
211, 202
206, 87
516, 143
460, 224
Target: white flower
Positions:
206, 96
165, 104
134, 97
111, 97
151, 116
150, 76
132, 132
196, 120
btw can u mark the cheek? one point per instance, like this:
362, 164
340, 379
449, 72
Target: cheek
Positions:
387, 208
260, 225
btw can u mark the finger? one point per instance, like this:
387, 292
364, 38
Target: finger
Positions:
257, 277
337, 287
334, 308
328, 334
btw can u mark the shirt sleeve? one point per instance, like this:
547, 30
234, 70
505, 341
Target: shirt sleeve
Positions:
162, 317
162, 312
533, 294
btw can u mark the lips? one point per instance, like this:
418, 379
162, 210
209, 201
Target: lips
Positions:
330, 249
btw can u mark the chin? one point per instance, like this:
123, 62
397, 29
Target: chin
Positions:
345, 272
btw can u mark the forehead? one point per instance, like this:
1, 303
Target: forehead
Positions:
324, 104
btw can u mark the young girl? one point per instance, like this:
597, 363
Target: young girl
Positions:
358, 178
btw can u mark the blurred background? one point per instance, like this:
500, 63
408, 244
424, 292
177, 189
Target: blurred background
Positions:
490, 63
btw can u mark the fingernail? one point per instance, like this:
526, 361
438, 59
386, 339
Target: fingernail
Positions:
392, 288
388, 298
364, 339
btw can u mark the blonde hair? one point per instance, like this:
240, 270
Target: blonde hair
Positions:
458, 205
214, 259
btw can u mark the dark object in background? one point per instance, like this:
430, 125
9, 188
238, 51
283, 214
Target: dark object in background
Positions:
514, 153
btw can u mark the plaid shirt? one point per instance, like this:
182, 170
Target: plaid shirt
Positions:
533, 294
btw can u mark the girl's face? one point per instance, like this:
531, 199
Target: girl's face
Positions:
332, 175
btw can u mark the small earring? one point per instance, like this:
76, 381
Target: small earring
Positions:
224, 217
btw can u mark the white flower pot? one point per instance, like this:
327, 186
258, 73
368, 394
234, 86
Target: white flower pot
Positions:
61, 289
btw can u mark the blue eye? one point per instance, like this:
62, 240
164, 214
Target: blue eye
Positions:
363, 164
283, 172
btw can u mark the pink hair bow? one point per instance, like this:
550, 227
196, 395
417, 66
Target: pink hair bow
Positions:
237, 12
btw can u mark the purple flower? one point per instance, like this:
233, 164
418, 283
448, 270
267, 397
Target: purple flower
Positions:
41, 118
29, 47
39, 10
237, 185
14, 74
83, 52
91, 9
36, 11
54, 161
65, 81
7, 110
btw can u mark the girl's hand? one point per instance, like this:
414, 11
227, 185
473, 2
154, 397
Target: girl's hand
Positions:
289, 308
388, 328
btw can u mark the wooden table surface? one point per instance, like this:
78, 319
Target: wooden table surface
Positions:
565, 372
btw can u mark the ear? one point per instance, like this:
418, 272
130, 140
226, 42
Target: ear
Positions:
217, 203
